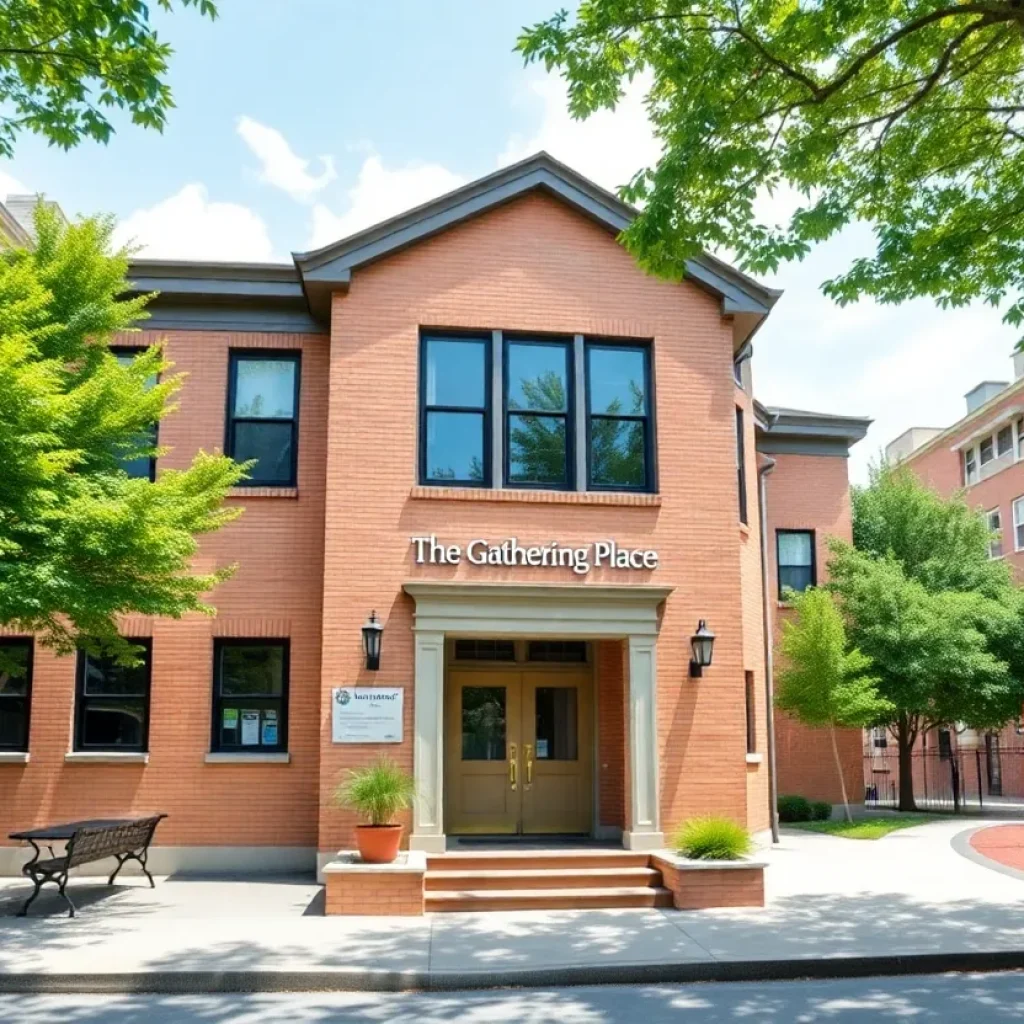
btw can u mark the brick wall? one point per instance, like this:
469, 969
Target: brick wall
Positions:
275, 593
380, 894
811, 492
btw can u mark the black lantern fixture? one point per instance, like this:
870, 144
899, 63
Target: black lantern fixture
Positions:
373, 630
702, 643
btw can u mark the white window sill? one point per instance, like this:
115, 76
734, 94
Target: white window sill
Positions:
755, 758
106, 757
13, 757
280, 758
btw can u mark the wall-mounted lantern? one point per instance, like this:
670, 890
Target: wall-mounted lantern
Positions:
702, 644
373, 631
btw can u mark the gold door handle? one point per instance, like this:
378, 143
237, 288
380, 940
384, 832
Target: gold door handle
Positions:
529, 764
512, 759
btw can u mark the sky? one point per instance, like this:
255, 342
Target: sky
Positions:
299, 122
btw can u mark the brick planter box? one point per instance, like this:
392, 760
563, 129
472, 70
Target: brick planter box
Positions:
703, 884
394, 890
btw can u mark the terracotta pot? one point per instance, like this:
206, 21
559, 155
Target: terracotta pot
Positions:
378, 844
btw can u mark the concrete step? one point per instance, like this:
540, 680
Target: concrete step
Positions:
542, 878
536, 860
469, 901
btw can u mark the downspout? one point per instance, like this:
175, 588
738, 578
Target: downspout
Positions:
769, 683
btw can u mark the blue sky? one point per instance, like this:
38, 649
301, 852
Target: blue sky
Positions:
298, 122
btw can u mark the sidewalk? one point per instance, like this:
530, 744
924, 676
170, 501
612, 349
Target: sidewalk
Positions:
836, 907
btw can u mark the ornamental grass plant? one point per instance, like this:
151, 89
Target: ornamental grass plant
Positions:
711, 838
377, 792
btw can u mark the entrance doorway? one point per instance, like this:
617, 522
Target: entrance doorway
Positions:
519, 750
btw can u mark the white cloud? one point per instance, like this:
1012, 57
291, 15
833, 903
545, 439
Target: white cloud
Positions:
189, 226
282, 167
381, 192
609, 147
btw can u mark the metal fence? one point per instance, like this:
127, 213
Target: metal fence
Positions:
986, 779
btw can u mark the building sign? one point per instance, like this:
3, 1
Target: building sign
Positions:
600, 554
370, 714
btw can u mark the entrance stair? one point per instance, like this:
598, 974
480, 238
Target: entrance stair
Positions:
542, 880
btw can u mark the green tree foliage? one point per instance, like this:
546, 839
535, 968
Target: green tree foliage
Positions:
906, 115
66, 64
81, 541
942, 624
823, 681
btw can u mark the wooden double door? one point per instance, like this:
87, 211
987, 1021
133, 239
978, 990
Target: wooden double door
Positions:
519, 752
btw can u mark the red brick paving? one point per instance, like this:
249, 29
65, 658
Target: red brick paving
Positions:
1001, 843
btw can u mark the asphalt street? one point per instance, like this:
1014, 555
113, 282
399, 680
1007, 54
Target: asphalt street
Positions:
947, 998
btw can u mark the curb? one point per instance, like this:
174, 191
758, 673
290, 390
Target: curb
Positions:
213, 982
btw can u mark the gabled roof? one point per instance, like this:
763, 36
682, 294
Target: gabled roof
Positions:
330, 268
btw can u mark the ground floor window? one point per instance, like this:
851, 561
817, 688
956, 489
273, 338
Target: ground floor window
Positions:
250, 696
112, 702
15, 693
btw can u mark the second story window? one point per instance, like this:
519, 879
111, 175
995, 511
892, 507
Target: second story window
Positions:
455, 411
141, 467
112, 703
619, 441
741, 464
538, 390
15, 693
994, 521
263, 415
970, 467
1018, 524
987, 451
795, 549
1004, 440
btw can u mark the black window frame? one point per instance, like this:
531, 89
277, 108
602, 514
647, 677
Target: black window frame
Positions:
750, 708
133, 351
28, 644
217, 702
741, 466
568, 346
237, 355
486, 410
814, 559
650, 484
82, 700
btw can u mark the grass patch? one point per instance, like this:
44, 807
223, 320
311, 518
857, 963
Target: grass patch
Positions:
867, 828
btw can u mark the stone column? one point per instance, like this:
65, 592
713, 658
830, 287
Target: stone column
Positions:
644, 828
428, 744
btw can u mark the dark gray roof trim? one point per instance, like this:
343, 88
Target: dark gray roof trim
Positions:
796, 431
315, 275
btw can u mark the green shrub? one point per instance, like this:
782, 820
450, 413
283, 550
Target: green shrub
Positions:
795, 808
821, 810
377, 792
712, 839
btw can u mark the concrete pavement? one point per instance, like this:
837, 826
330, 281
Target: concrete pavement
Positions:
835, 906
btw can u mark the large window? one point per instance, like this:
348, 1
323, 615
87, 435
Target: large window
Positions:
1004, 440
263, 415
1018, 524
142, 467
994, 521
112, 702
970, 467
15, 693
618, 418
455, 411
796, 560
250, 696
538, 390
741, 465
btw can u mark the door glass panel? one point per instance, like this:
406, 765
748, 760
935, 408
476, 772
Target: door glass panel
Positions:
483, 723
557, 724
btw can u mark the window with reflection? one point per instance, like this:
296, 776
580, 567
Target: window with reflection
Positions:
15, 693
112, 702
455, 411
142, 467
618, 417
795, 556
263, 421
483, 723
556, 724
250, 696
537, 402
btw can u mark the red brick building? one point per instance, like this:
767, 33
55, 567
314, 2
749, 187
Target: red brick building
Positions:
539, 467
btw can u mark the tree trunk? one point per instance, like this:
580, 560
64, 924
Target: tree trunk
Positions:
905, 745
839, 768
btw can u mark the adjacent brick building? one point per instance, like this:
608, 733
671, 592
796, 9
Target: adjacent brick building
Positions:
538, 466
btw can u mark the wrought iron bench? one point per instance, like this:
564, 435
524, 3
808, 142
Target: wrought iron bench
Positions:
87, 843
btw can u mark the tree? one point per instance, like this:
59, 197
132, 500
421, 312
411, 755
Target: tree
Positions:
942, 624
824, 682
64, 64
82, 541
906, 116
